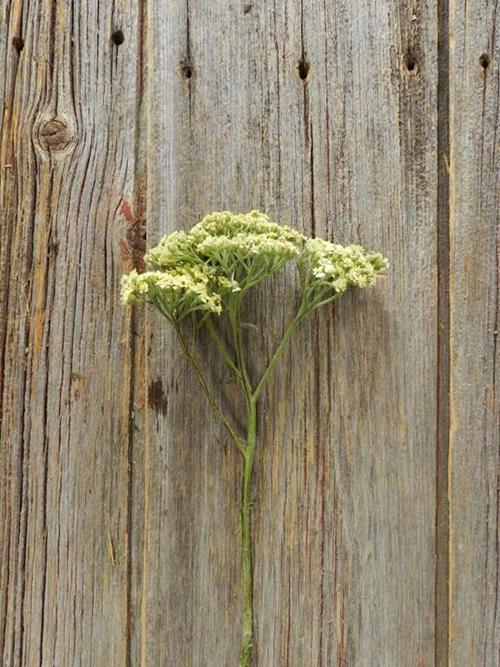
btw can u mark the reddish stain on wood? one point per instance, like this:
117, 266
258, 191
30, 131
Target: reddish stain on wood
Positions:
133, 245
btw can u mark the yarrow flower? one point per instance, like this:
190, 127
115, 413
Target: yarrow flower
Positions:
176, 292
246, 247
227, 254
206, 272
176, 249
329, 266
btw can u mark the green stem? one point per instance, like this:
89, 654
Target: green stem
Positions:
247, 450
246, 538
222, 418
278, 352
319, 303
304, 311
234, 318
219, 343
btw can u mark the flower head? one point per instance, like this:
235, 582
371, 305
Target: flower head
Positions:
229, 253
175, 292
329, 266
245, 247
176, 249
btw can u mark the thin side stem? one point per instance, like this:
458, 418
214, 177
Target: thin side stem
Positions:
221, 347
222, 418
277, 354
246, 538
304, 311
234, 318
319, 303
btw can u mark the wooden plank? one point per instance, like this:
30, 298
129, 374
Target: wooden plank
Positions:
443, 343
69, 202
474, 299
344, 517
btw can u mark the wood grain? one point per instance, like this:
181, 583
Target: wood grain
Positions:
474, 297
68, 165
118, 489
344, 517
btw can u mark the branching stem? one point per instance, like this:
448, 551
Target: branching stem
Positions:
245, 447
277, 354
221, 347
213, 403
235, 319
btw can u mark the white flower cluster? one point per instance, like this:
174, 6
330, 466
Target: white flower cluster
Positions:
230, 225
246, 247
176, 249
175, 292
230, 253
331, 266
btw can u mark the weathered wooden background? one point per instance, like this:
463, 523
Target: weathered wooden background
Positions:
376, 513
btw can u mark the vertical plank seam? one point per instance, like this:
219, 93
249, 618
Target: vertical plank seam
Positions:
134, 609
443, 342
188, 60
147, 17
6, 155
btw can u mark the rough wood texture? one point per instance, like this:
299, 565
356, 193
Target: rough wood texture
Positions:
344, 515
68, 167
475, 414
119, 491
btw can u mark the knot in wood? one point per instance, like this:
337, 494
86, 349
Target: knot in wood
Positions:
54, 135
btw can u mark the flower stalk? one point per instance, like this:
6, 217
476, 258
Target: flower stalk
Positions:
246, 538
206, 272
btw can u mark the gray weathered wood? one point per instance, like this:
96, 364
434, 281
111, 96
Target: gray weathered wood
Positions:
345, 486
119, 492
474, 298
68, 174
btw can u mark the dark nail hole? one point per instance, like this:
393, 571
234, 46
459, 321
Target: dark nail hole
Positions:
187, 70
484, 60
303, 67
410, 62
117, 37
247, 8
18, 43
